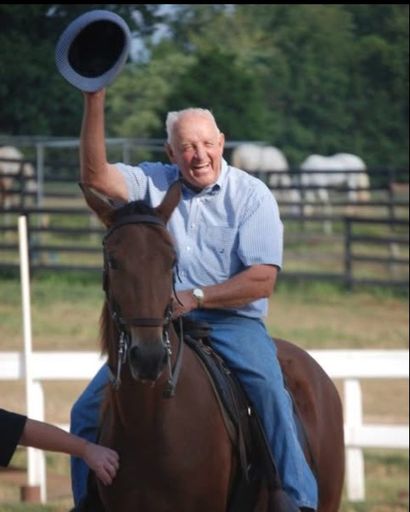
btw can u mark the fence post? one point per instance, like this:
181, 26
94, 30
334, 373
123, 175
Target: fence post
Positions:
348, 278
36, 489
355, 480
31, 491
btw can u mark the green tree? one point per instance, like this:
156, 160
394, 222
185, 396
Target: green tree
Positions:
380, 83
34, 98
137, 99
317, 78
217, 82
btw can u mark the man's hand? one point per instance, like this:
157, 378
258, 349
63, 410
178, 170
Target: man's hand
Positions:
188, 303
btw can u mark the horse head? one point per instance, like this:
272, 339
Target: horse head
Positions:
139, 257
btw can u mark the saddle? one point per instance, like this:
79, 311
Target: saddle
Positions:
243, 425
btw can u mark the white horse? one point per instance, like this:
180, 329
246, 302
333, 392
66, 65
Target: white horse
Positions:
10, 168
253, 157
357, 182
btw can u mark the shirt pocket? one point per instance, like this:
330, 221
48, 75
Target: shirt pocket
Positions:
220, 244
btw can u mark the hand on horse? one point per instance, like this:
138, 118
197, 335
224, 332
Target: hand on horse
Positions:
183, 303
103, 461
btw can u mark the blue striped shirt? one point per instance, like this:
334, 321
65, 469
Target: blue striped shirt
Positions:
219, 231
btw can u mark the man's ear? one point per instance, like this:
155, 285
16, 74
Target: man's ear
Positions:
222, 139
170, 152
101, 204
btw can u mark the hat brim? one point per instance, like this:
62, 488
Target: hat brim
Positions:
93, 49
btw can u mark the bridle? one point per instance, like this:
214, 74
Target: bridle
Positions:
122, 322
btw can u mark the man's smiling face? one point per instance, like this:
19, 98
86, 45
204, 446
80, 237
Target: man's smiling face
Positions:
196, 146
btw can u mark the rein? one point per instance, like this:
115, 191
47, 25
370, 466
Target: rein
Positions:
122, 322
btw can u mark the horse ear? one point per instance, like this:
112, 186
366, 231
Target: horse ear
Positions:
101, 204
170, 201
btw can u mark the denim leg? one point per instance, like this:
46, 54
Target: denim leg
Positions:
248, 350
85, 415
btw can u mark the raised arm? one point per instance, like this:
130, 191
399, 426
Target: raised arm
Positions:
96, 172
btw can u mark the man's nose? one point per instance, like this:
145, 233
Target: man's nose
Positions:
200, 152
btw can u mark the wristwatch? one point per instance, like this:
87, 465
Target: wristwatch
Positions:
199, 295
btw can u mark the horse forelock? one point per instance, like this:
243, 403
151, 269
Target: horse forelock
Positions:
135, 207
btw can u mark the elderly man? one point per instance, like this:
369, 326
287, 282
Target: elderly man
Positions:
228, 236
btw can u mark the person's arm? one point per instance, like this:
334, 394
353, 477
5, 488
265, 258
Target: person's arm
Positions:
103, 461
254, 283
96, 172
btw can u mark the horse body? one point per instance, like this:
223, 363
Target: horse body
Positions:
176, 453
255, 158
167, 450
11, 167
324, 179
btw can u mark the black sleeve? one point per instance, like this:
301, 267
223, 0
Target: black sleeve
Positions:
11, 429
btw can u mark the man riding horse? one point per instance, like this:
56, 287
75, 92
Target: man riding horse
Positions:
228, 236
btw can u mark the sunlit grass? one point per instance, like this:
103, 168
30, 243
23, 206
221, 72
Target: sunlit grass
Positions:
316, 315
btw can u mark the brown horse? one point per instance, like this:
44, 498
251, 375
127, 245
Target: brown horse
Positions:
176, 453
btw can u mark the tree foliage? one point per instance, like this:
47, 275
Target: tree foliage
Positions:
34, 98
317, 78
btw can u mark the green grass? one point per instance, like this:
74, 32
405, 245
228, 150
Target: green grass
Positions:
315, 315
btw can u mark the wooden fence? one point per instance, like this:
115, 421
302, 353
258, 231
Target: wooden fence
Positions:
56, 246
351, 366
73, 246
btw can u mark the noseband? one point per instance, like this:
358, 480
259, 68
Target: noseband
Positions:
122, 322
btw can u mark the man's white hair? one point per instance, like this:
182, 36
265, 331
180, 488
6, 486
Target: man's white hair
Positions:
174, 117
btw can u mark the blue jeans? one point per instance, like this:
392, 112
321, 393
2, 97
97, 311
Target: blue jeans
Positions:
247, 349
85, 415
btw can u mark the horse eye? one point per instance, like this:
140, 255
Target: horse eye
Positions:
112, 263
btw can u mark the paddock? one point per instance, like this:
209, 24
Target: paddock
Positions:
350, 368
68, 240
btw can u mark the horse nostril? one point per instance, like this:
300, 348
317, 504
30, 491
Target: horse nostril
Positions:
134, 355
147, 360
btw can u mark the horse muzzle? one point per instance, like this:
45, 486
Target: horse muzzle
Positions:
147, 359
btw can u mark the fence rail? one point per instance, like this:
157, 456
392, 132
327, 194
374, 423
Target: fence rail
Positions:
82, 243
351, 366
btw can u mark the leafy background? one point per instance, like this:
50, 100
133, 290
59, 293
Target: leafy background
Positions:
307, 78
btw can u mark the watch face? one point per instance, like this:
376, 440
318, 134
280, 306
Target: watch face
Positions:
198, 294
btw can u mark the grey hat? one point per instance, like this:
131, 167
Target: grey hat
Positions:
93, 49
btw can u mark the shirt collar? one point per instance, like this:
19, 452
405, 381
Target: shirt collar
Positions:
211, 189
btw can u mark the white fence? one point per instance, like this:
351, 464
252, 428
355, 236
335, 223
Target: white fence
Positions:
349, 365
